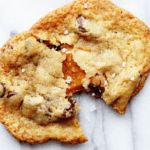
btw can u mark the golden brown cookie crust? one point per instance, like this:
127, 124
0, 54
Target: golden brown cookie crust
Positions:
26, 130
49, 24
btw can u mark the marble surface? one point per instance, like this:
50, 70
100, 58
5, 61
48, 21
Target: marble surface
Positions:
105, 129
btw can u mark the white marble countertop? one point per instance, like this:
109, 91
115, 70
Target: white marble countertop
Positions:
106, 130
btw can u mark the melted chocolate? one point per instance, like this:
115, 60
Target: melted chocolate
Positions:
98, 91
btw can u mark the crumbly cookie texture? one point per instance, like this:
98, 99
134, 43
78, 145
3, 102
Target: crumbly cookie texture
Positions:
88, 45
34, 81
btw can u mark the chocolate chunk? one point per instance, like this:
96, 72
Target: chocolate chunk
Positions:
49, 45
72, 101
2, 90
98, 91
10, 94
70, 110
10, 46
80, 21
52, 46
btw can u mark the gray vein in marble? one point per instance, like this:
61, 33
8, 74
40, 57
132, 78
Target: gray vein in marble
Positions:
103, 128
132, 128
99, 136
92, 137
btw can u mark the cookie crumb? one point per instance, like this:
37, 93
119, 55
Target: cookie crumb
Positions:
68, 79
123, 64
66, 32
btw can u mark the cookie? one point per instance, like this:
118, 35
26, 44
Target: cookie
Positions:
87, 46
